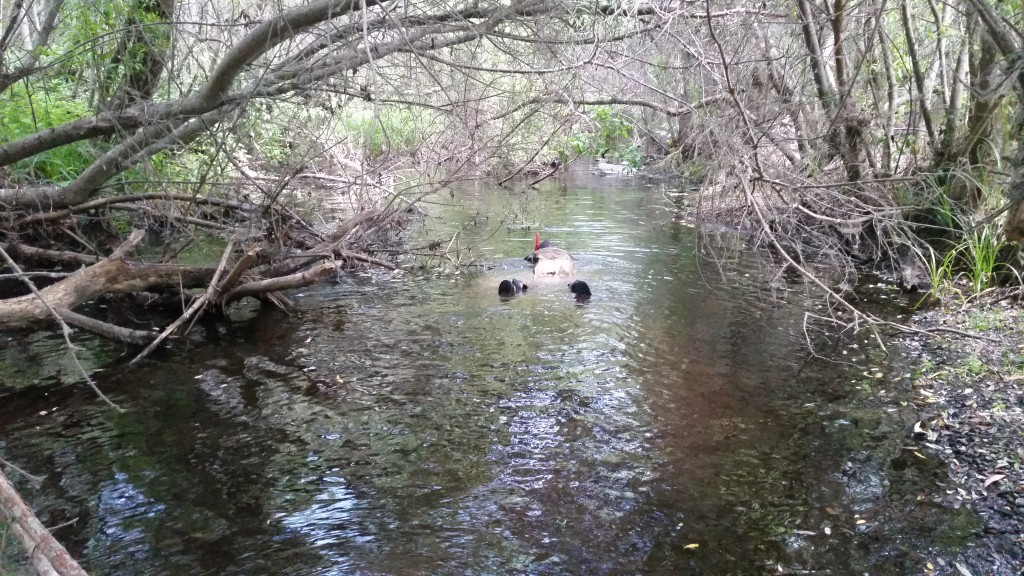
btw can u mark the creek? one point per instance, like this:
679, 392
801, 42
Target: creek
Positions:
678, 423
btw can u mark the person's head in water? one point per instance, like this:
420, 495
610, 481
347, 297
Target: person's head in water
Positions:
509, 288
581, 290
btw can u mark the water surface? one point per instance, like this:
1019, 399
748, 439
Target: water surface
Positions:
678, 423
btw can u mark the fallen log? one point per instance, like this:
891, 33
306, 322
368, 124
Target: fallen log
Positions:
115, 275
24, 251
297, 280
105, 278
45, 553
112, 275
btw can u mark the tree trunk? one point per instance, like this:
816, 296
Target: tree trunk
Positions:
919, 77
826, 94
141, 53
946, 154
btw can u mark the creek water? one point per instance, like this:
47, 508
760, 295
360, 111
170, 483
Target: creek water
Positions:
678, 423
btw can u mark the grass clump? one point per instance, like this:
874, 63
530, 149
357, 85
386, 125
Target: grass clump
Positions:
966, 258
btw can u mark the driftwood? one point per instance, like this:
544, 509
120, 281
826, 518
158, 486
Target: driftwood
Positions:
47, 556
257, 272
63, 256
105, 329
296, 280
110, 276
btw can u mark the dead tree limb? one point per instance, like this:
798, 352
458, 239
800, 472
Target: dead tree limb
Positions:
101, 202
194, 308
46, 554
297, 280
241, 267
105, 329
364, 258
17, 251
111, 276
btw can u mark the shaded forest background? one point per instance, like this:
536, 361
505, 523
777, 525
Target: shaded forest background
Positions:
299, 137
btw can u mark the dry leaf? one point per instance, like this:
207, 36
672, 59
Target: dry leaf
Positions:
994, 478
963, 569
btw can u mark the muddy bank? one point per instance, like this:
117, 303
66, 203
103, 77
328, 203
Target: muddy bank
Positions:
968, 393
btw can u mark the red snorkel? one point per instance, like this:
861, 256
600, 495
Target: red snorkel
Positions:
536, 242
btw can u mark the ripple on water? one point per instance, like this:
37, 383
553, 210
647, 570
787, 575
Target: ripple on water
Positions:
425, 426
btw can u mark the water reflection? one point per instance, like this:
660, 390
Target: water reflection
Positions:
419, 424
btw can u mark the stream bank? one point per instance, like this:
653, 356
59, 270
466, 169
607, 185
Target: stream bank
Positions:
971, 417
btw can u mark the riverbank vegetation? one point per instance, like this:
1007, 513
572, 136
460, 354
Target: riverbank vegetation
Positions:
870, 134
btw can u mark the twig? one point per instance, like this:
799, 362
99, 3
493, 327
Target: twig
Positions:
39, 274
81, 241
54, 255
35, 479
176, 217
100, 202
954, 331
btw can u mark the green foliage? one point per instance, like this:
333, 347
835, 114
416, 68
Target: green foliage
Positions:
966, 255
611, 136
974, 260
385, 130
980, 253
974, 366
940, 210
940, 271
263, 134
91, 25
120, 223
26, 109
